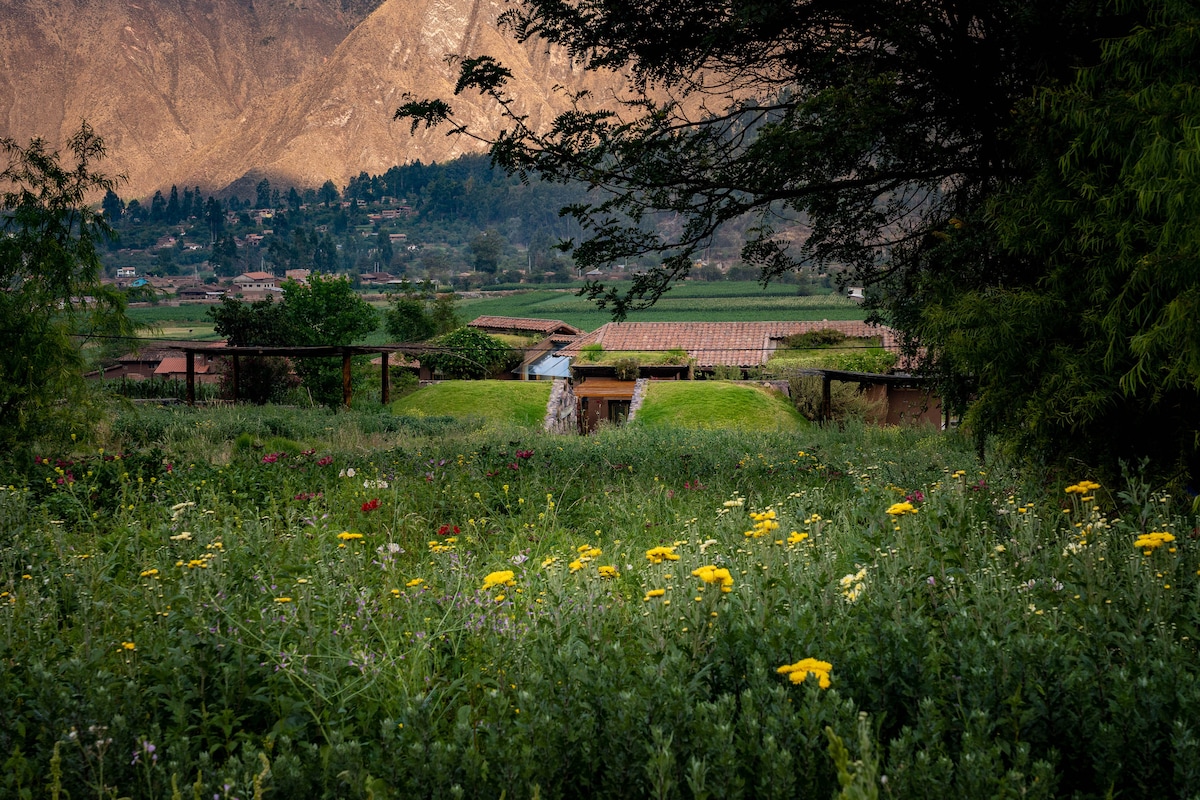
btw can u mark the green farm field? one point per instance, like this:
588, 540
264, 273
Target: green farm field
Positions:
689, 302
285, 602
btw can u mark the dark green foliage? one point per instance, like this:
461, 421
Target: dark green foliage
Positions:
407, 320
1039, 255
1091, 349
51, 298
469, 353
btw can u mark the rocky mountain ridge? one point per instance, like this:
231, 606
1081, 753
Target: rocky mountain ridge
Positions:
212, 92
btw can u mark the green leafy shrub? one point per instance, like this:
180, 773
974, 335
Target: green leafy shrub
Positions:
469, 353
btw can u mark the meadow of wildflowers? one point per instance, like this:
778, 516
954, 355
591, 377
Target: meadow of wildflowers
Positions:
256, 603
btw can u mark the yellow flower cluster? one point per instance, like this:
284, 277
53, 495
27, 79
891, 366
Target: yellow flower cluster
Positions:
502, 577
1082, 488
853, 584
764, 523
415, 582
608, 572
1149, 542
807, 666
658, 555
797, 537
347, 536
444, 546
654, 593
900, 509
586, 553
714, 574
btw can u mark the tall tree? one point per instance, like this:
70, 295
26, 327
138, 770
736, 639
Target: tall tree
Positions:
214, 217
112, 206
51, 298
897, 141
158, 207
172, 213
262, 194
1092, 350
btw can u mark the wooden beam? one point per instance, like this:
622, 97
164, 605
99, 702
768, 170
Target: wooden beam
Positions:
384, 380
346, 379
191, 378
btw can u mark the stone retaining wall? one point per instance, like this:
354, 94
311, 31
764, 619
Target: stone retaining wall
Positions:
562, 412
639, 394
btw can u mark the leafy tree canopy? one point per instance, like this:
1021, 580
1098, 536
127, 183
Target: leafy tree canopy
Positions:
469, 353
1013, 177
51, 299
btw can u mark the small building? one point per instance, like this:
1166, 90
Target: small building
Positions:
249, 282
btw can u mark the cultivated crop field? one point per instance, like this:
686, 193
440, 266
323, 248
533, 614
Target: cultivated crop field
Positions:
292, 603
735, 301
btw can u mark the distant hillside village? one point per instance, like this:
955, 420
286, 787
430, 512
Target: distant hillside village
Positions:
461, 225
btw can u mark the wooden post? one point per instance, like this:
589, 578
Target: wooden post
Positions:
346, 378
826, 399
384, 380
191, 378
235, 378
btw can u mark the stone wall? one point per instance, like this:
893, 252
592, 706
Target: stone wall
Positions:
562, 412
639, 394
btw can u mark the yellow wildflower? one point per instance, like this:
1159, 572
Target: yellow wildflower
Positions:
502, 577
657, 555
608, 572
807, 666
283, 599
654, 593
347, 536
128, 646
1149, 542
415, 582
714, 574
900, 509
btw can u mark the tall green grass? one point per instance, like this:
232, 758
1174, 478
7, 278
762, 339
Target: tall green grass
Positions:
290, 602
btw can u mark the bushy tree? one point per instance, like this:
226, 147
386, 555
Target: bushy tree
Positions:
1092, 350
407, 318
1035, 252
263, 322
51, 298
325, 311
469, 353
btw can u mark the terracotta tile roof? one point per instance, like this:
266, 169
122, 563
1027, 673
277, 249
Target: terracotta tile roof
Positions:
257, 276
543, 326
177, 365
742, 344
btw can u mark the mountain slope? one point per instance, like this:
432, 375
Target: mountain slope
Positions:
204, 92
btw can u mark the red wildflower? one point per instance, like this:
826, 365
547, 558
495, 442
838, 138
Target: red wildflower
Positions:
448, 530
371, 505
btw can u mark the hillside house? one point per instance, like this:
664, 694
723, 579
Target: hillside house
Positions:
542, 360
256, 283
744, 346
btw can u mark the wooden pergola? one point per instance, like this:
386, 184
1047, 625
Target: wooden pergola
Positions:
346, 352
828, 376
